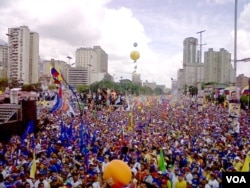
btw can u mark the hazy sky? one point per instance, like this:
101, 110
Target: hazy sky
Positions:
157, 26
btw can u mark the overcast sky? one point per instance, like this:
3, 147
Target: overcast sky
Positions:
157, 26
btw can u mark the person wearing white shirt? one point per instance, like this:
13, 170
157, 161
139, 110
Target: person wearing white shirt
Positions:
96, 183
213, 182
75, 181
189, 177
105, 163
41, 179
24, 179
148, 178
2, 170
2, 185
137, 166
236, 128
204, 183
174, 180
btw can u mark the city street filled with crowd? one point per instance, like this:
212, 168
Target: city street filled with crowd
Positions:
74, 150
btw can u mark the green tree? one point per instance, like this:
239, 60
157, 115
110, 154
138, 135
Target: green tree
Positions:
245, 101
158, 91
145, 90
221, 99
27, 87
82, 88
51, 87
3, 83
193, 90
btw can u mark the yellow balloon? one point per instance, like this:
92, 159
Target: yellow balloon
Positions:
134, 55
119, 171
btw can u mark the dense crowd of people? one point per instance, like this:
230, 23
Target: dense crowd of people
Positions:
73, 151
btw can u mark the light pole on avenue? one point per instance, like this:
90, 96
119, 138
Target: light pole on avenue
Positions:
200, 33
235, 40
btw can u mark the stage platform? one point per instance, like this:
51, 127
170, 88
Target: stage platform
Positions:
10, 113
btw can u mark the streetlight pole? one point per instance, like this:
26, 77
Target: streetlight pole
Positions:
200, 32
69, 58
240, 60
235, 40
121, 83
89, 65
198, 80
113, 81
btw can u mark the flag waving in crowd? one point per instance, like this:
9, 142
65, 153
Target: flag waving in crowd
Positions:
56, 76
59, 103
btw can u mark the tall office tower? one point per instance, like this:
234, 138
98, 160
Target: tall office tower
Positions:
94, 59
34, 57
3, 61
218, 67
23, 55
101, 59
180, 81
192, 67
190, 50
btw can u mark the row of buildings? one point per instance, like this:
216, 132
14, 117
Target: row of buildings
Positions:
20, 61
217, 68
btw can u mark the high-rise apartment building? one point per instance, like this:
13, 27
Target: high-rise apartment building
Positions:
3, 61
101, 59
193, 68
190, 51
23, 55
34, 57
180, 81
94, 59
218, 67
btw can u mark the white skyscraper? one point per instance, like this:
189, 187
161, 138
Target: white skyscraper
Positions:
34, 57
23, 55
218, 67
94, 59
193, 69
190, 50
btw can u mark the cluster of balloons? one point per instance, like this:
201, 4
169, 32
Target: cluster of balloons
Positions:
135, 55
117, 173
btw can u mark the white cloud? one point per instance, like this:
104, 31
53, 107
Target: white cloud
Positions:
218, 1
65, 25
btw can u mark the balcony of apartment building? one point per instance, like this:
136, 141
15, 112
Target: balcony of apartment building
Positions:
14, 51
14, 73
14, 56
14, 69
14, 66
14, 41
